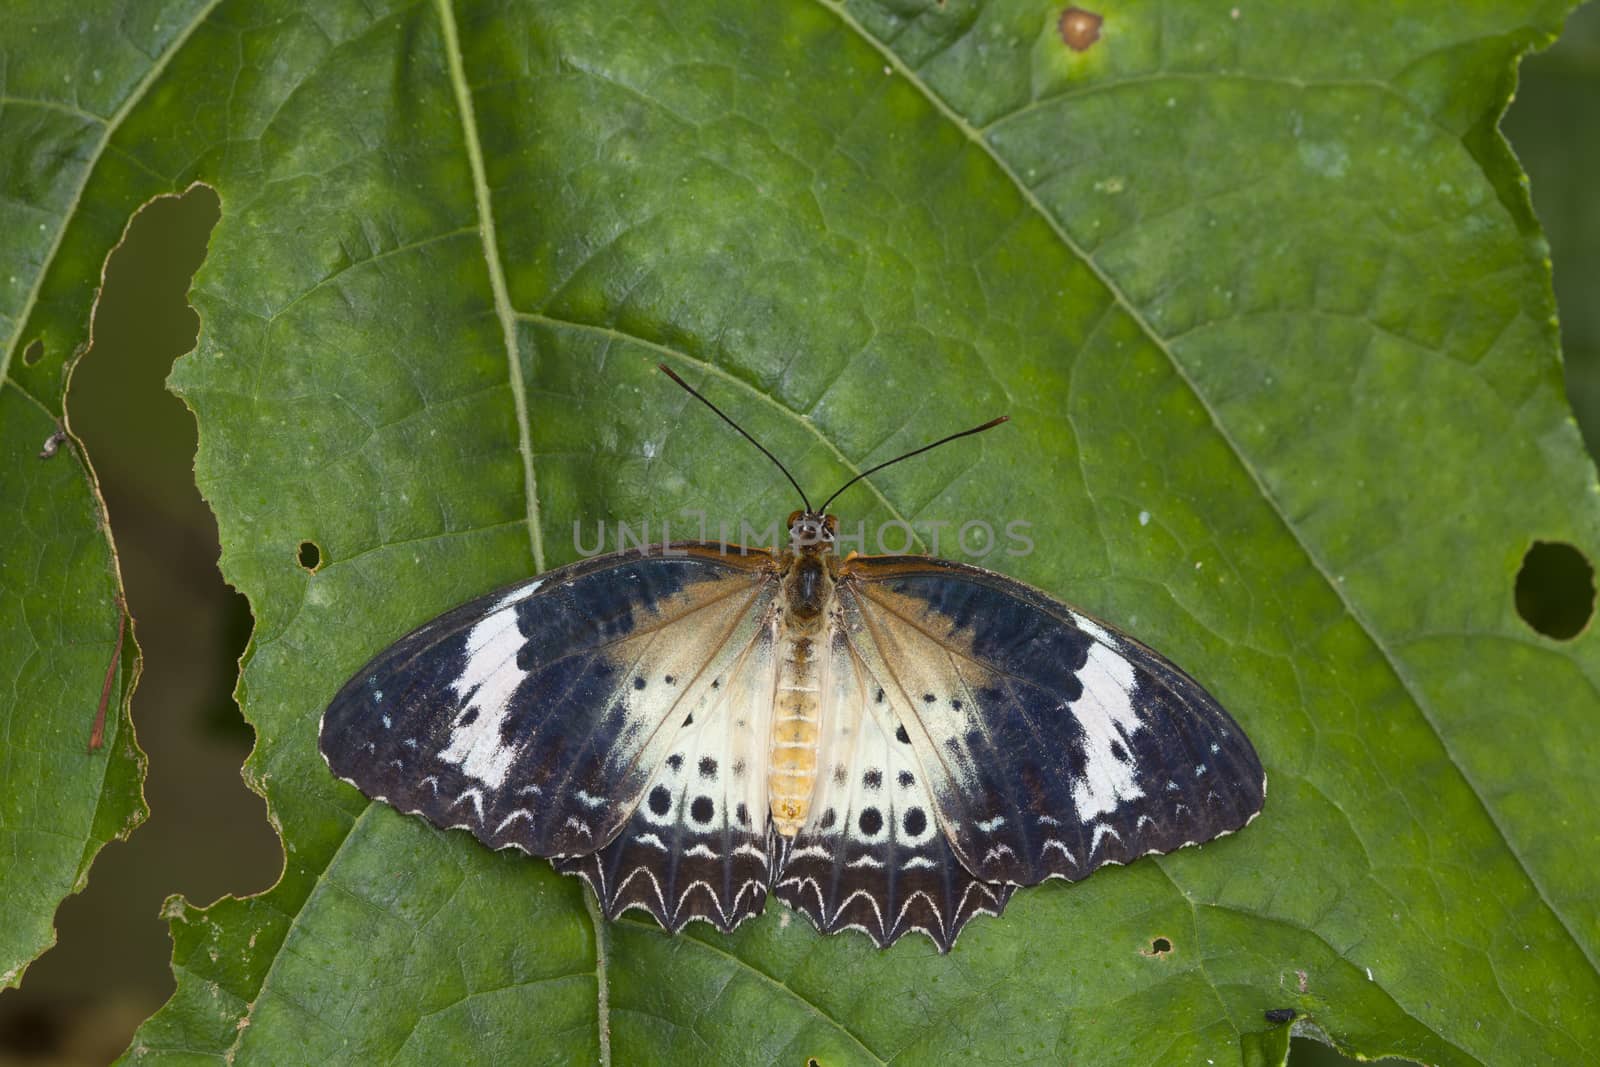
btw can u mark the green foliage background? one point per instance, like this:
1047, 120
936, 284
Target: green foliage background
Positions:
1262, 293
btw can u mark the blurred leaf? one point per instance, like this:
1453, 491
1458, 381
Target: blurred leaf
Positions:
1553, 127
60, 614
1265, 298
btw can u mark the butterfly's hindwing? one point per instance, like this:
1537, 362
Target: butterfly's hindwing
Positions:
697, 846
535, 717
871, 855
1054, 744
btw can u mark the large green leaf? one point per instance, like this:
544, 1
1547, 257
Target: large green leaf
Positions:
1264, 297
65, 649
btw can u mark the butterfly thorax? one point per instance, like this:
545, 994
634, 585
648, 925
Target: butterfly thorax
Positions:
805, 608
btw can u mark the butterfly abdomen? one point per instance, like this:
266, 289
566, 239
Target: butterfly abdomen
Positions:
792, 763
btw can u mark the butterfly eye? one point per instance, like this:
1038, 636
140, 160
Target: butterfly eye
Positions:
809, 529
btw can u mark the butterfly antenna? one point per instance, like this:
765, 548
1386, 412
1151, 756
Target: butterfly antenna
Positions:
991, 424
692, 391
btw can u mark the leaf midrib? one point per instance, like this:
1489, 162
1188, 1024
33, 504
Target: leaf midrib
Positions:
497, 278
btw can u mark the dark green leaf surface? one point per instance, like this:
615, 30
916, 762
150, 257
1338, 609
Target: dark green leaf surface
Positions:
1266, 303
59, 610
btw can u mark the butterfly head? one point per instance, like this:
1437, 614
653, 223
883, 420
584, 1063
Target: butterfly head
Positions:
811, 532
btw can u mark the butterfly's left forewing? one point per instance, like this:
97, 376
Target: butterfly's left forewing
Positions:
1052, 743
537, 716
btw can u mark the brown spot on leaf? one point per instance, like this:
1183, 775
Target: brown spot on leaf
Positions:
1079, 29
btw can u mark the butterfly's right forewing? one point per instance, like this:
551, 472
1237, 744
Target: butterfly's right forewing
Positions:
535, 717
1053, 744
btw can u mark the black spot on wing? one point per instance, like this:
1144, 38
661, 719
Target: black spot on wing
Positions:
660, 800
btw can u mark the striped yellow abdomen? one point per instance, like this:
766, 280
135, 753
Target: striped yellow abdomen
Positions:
792, 765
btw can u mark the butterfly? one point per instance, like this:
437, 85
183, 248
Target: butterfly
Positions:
885, 743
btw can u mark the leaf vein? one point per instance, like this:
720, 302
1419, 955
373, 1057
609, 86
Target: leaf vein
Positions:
497, 278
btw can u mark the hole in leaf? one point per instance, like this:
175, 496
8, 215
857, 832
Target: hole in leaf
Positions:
33, 353
310, 556
1079, 29
1555, 589
111, 962
1159, 946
